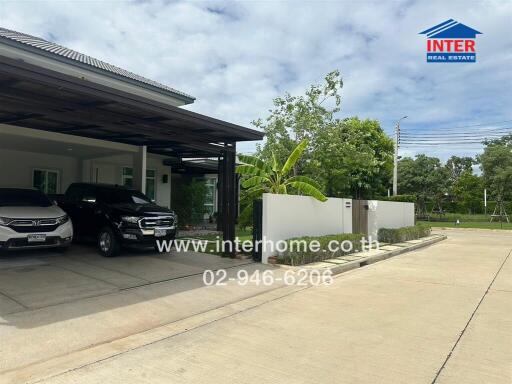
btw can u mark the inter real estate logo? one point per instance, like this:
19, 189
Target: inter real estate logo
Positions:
451, 42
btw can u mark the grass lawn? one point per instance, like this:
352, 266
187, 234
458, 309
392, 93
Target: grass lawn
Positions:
468, 224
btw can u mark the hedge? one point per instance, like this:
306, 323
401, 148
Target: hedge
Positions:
400, 198
298, 255
398, 235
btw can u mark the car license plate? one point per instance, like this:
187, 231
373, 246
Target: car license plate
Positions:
36, 238
159, 232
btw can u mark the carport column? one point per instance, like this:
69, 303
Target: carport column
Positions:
139, 169
227, 192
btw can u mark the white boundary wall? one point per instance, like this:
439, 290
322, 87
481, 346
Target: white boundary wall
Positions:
388, 214
288, 216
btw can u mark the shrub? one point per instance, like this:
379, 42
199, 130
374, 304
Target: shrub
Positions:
188, 198
401, 198
398, 235
297, 254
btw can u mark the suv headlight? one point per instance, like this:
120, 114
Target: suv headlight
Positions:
5, 220
63, 219
130, 219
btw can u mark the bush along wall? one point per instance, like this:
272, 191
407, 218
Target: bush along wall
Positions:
299, 251
398, 235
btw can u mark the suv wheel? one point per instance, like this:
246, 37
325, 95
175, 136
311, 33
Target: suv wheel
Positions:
108, 244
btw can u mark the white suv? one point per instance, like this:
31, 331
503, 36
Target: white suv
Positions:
29, 219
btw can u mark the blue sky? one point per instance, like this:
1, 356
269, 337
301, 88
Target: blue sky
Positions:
235, 57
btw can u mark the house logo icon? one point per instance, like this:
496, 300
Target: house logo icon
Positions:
451, 42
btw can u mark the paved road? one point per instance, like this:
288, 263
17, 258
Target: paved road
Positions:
442, 314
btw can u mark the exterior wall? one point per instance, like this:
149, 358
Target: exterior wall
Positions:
110, 169
288, 216
16, 168
388, 214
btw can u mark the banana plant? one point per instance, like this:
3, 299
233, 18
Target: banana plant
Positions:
260, 177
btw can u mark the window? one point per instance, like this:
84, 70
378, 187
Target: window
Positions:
46, 180
151, 184
127, 180
209, 202
127, 177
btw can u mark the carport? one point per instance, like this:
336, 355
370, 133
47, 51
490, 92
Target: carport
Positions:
63, 104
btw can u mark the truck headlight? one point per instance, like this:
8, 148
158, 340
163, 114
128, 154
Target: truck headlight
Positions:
63, 219
5, 220
130, 219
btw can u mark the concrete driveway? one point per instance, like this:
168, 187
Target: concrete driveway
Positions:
38, 279
436, 315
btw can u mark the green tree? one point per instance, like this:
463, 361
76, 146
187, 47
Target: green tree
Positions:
295, 118
349, 157
496, 164
468, 191
458, 165
352, 157
260, 177
425, 177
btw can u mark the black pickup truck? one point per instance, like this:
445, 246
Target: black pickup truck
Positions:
115, 215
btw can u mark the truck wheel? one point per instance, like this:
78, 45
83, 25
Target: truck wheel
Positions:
108, 245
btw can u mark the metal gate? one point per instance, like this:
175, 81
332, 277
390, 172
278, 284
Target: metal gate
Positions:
360, 216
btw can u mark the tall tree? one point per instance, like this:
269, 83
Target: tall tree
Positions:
295, 118
496, 164
458, 165
468, 191
349, 157
425, 177
352, 158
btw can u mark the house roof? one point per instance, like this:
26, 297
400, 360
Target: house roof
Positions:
40, 98
451, 29
56, 51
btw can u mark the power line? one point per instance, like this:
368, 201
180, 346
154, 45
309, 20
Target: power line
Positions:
460, 134
470, 126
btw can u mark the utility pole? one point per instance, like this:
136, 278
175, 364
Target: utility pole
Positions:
395, 167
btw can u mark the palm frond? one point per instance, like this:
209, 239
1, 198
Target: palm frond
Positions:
252, 193
294, 156
304, 179
308, 190
256, 162
250, 170
275, 163
255, 180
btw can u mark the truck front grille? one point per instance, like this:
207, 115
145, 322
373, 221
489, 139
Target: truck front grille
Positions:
156, 222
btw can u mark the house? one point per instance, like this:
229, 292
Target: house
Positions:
67, 117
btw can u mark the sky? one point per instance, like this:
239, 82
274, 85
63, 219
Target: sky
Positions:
235, 57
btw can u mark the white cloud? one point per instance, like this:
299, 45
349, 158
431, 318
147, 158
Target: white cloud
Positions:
236, 57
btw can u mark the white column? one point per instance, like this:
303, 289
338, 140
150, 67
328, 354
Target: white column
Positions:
139, 169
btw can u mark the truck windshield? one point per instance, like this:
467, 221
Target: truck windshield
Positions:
124, 196
10, 197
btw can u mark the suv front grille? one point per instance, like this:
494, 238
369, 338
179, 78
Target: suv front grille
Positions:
155, 222
33, 225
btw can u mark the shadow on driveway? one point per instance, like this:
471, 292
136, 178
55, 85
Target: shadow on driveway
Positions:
34, 281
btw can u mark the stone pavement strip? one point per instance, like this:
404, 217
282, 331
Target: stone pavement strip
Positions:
355, 260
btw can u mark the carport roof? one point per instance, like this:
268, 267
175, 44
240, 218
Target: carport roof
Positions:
35, 97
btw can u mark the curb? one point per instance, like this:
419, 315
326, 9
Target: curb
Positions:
337, 269
472, 229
